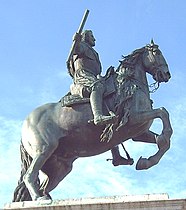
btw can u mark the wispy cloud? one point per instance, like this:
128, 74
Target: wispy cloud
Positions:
54, 86
9, 157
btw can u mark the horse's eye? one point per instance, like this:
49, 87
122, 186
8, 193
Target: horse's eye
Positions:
156, 52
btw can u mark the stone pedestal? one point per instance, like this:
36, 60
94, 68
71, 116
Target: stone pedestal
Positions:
140, 202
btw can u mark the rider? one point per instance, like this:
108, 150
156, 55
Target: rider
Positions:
85, 70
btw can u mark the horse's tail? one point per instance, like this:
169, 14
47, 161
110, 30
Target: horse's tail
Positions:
21, 192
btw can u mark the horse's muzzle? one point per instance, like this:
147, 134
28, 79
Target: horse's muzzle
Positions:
162, 76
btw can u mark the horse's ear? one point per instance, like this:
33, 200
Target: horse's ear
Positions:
152, 42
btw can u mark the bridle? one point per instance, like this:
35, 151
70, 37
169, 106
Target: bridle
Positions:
153, 69
155, 86
154, 65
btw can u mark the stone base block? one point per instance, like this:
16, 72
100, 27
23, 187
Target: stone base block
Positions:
137, 202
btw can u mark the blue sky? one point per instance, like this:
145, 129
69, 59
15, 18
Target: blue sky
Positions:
35, 39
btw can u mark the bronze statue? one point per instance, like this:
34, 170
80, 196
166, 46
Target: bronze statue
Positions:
56, 134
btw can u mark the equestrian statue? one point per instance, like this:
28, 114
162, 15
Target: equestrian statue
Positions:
95, 116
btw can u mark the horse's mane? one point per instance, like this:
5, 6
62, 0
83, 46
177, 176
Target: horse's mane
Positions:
126, 89
131, 59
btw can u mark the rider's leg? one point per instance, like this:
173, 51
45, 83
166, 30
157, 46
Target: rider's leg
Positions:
96, 102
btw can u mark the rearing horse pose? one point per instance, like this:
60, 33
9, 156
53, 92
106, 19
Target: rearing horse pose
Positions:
53, 137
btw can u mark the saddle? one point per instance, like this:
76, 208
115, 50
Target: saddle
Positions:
73, 99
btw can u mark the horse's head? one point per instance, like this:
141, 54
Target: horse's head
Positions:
155, 63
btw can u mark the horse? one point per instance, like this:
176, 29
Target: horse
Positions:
54, 136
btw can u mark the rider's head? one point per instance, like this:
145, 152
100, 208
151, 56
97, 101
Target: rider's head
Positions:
88, 37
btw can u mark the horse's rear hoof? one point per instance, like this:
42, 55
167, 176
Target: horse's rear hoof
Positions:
45, 198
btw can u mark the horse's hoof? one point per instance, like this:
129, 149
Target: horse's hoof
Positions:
44, 198
142, 164
130, 161
122, 161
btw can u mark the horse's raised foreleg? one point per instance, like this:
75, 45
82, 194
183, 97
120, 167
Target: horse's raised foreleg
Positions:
147, 137
162, 140
146, 163
117, 159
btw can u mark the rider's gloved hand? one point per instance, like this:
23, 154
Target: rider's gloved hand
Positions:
77, 37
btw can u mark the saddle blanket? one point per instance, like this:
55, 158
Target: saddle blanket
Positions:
69, 100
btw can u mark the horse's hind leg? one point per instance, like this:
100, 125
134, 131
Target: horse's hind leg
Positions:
56, 170
42, 153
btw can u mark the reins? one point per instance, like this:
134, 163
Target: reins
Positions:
153, 85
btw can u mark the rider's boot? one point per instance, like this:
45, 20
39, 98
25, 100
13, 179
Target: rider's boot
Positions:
96, 105
118, 159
